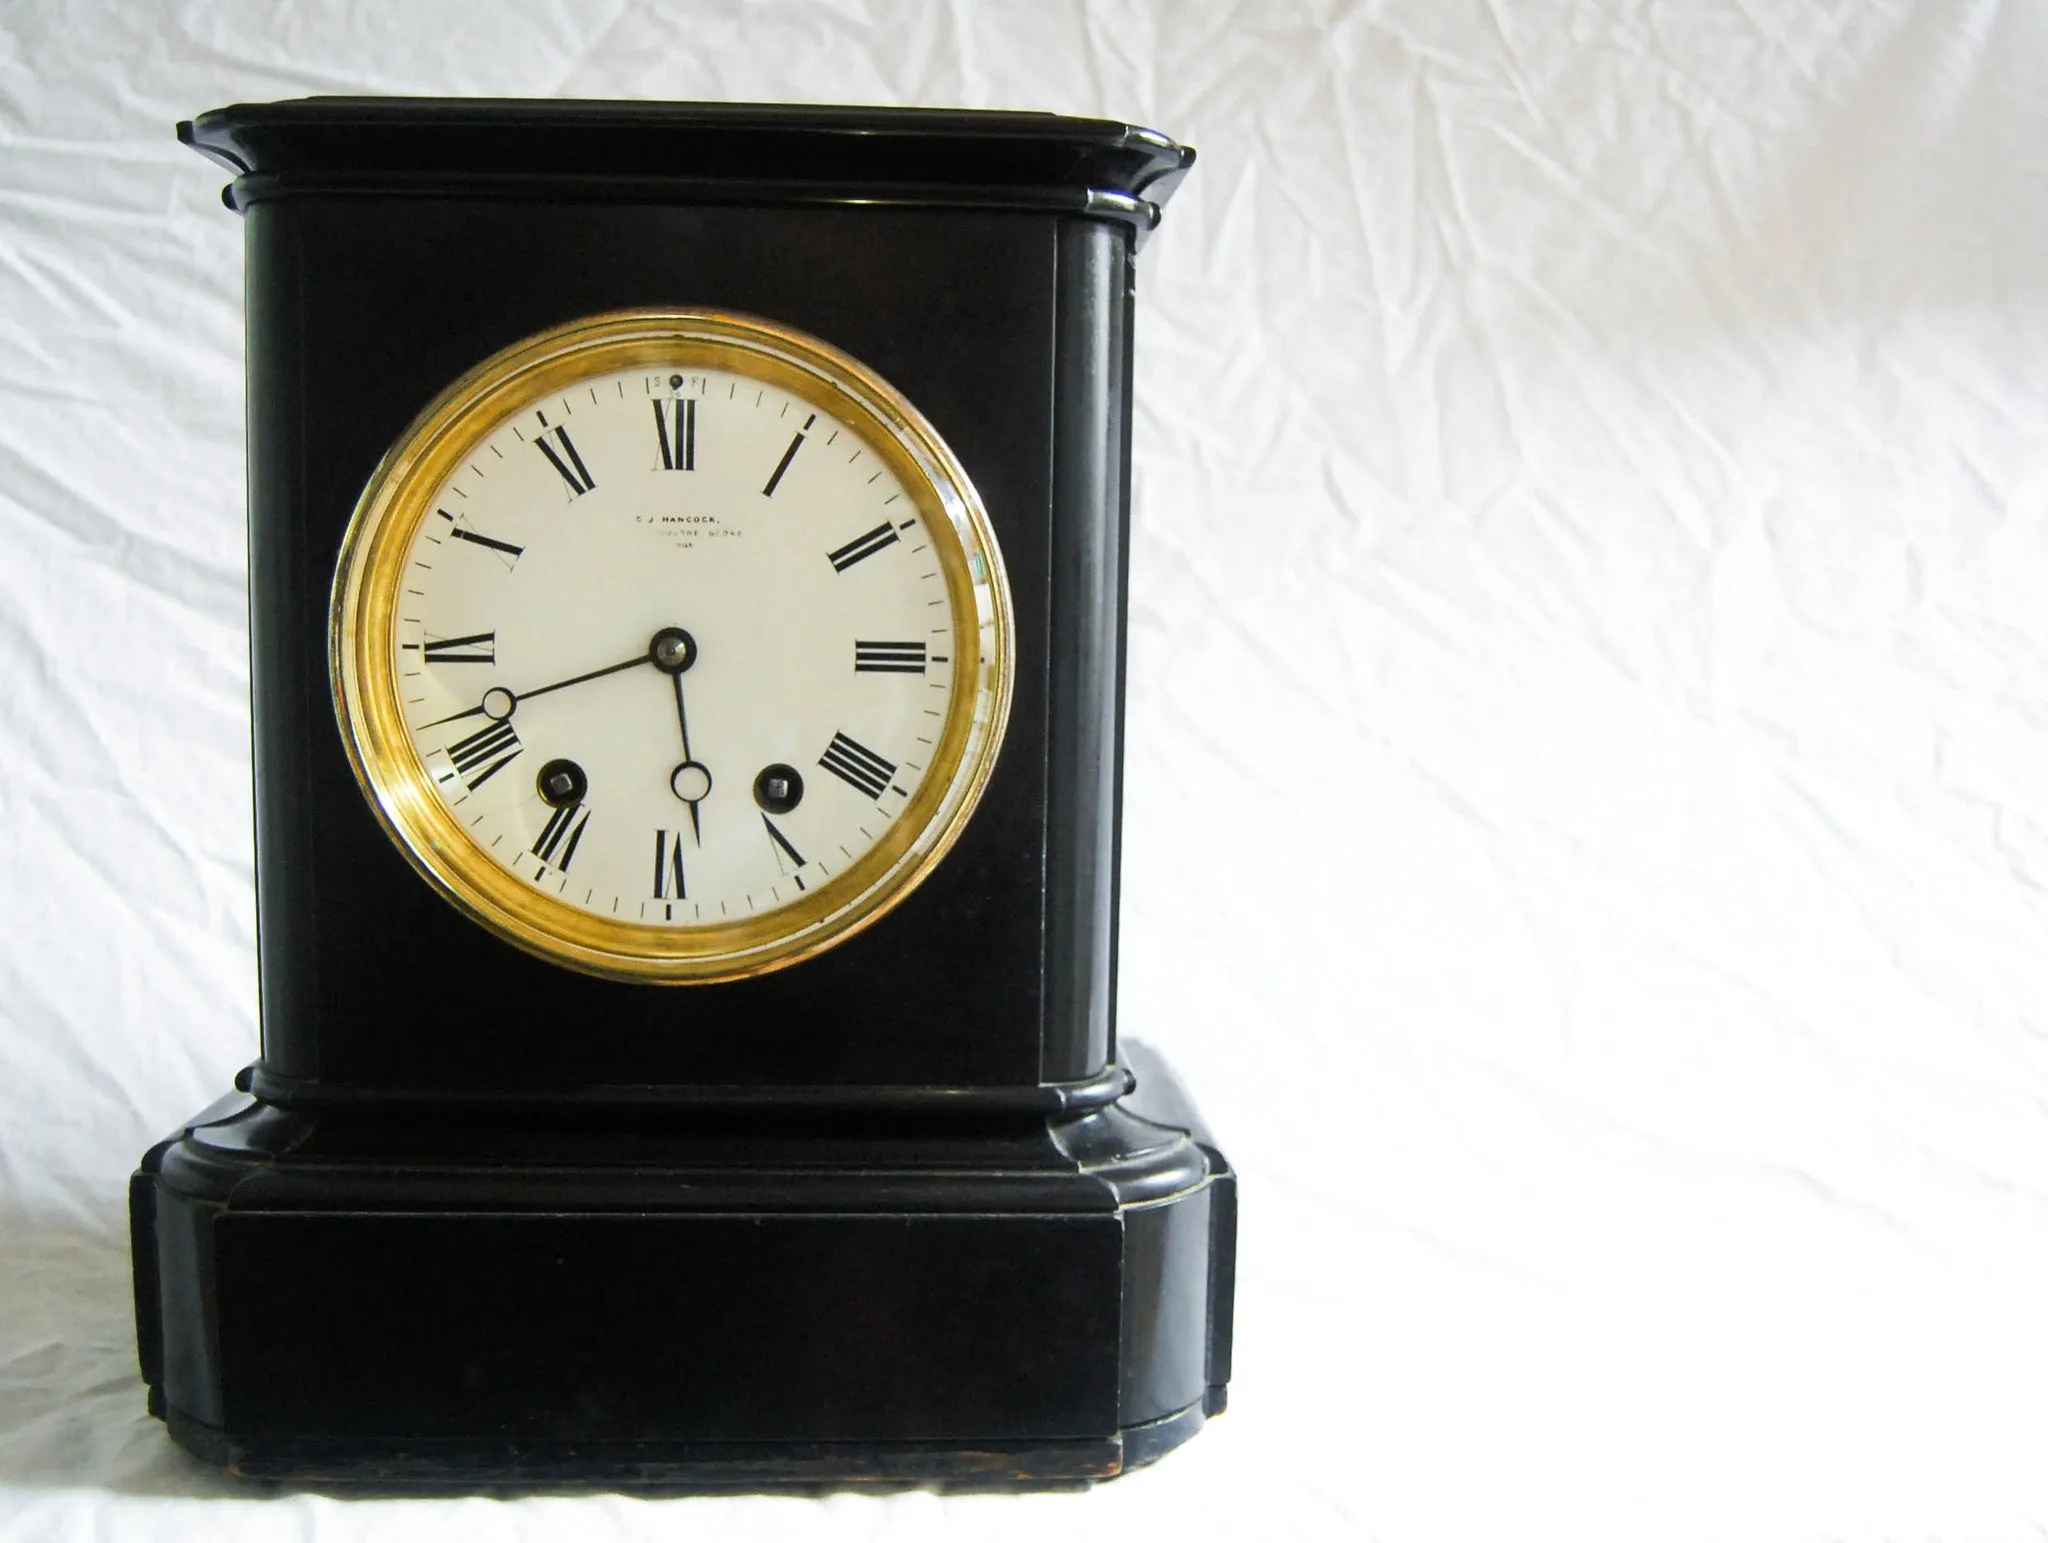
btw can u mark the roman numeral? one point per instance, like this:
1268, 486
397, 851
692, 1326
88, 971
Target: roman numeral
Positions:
866, 544
563, 829
668, 865
889, 658
678, 449
782, 841
485, 753
477, 648
853, 763
459, 533
563, 457
788, 455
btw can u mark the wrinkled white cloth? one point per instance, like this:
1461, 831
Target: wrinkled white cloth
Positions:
1588, 766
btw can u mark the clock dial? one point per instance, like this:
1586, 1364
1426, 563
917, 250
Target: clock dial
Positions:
684, 525
672, 646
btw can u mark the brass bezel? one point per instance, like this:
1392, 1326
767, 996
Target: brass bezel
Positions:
395, 780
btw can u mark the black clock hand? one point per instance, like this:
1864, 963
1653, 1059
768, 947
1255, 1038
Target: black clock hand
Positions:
512, 699
577, 680
683, 723
682, 717
673, 652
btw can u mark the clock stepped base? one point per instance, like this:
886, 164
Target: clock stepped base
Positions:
697, 1467
701, 1302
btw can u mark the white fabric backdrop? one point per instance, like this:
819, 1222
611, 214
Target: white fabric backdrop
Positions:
1587, 831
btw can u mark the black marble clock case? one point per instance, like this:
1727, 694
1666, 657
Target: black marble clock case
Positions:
882, 1215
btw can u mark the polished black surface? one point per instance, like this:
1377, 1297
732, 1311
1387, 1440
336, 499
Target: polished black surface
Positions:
892, 1214
697, 152
358, 317
1009, 331
698, 1300
1084, 695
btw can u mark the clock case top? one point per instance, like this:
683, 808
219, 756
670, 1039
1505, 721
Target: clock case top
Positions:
695, 152
983, 264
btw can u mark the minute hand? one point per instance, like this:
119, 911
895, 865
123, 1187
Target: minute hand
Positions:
525, 696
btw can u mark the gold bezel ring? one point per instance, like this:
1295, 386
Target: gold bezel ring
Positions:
388, 765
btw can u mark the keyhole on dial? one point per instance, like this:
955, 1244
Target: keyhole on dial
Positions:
779, 788
561, 783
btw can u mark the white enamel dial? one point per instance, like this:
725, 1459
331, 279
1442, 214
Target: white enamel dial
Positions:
699, 650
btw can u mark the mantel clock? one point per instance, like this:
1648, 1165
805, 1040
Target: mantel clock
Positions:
687, 552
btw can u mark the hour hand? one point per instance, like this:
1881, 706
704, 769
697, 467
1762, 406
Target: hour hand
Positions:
673, 652
690, 782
